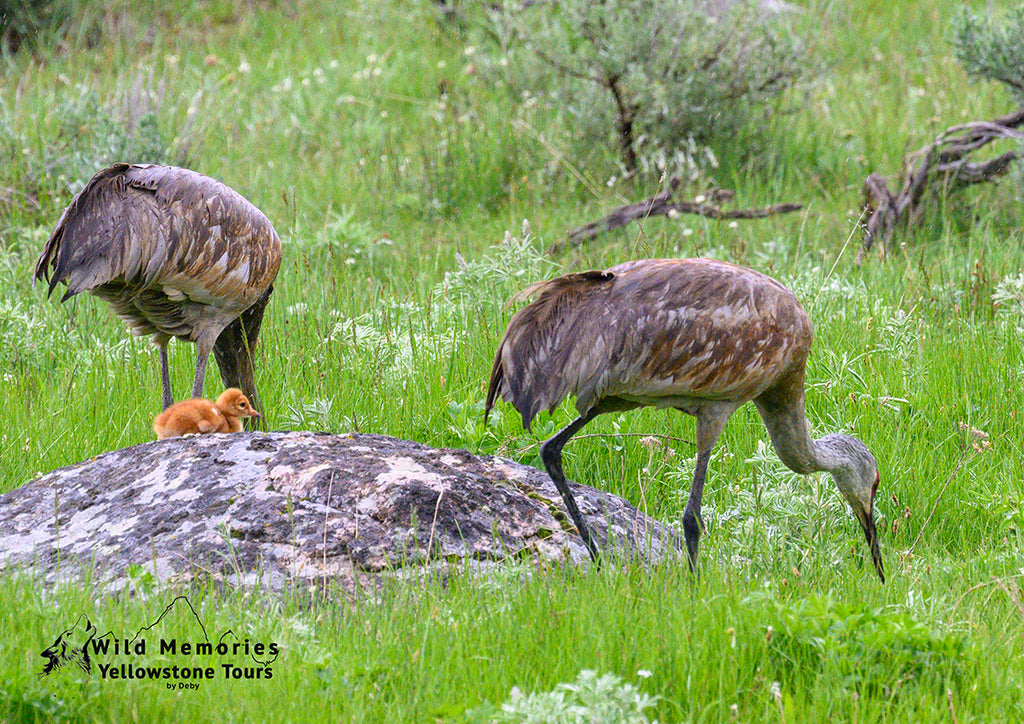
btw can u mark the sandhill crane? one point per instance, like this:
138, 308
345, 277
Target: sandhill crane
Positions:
203, 416
697, 335
175, 254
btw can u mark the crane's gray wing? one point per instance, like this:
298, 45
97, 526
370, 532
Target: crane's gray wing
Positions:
110, 229
701, 329
650, 332
215, 236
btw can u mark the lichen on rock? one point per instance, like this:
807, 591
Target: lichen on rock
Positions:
292, 508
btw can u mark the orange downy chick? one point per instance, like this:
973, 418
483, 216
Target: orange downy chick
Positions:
203, 416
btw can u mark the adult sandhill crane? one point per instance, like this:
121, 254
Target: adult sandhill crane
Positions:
697, 335
175, 254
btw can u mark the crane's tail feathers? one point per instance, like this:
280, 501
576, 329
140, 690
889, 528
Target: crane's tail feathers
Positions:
499, 385
539, 289
497, 373
51, 277
533, 345
42, 271
523, 294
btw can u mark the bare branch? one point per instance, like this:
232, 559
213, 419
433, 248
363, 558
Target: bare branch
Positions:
563, 68
626, 114
663, 205
965, 174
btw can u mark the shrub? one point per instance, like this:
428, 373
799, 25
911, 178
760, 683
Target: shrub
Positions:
590, 698
869, 649
992, 48
31, 23
661, 79
44, 163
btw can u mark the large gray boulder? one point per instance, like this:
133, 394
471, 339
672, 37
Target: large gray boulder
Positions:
296, 509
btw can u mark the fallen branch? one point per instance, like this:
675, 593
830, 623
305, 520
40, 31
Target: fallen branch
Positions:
944, 161
664, 205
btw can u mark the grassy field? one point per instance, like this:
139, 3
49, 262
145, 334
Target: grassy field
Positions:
393, 200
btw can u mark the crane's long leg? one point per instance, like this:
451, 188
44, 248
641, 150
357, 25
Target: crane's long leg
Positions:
711, 419
551, 454
202, 356
693, 524
165, 372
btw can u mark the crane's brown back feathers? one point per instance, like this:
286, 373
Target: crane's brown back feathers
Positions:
171, 250
651, 332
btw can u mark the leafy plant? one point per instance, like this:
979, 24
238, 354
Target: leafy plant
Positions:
90, 131
515, 260
31, 23
872, 649
1008, 299
591, 697
315, 414
346, 234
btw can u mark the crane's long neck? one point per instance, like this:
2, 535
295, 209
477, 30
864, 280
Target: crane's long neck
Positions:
235, 347
851, 464
786, 422
787, 426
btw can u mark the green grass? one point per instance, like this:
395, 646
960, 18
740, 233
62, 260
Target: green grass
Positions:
393, 199
419, 652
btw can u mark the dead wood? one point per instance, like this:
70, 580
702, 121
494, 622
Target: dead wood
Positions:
664, 204
944, 163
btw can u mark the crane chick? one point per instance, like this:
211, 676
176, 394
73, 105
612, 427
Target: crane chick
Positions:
203, 416
697, 335
175, 254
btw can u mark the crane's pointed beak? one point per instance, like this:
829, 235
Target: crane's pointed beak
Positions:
862, 503
865, 514
876, 553
872, 533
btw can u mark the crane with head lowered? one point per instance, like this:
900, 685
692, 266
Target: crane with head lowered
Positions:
697, 335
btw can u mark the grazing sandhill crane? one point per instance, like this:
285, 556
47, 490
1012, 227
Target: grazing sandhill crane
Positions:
201, 416
175, 254
697, 335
